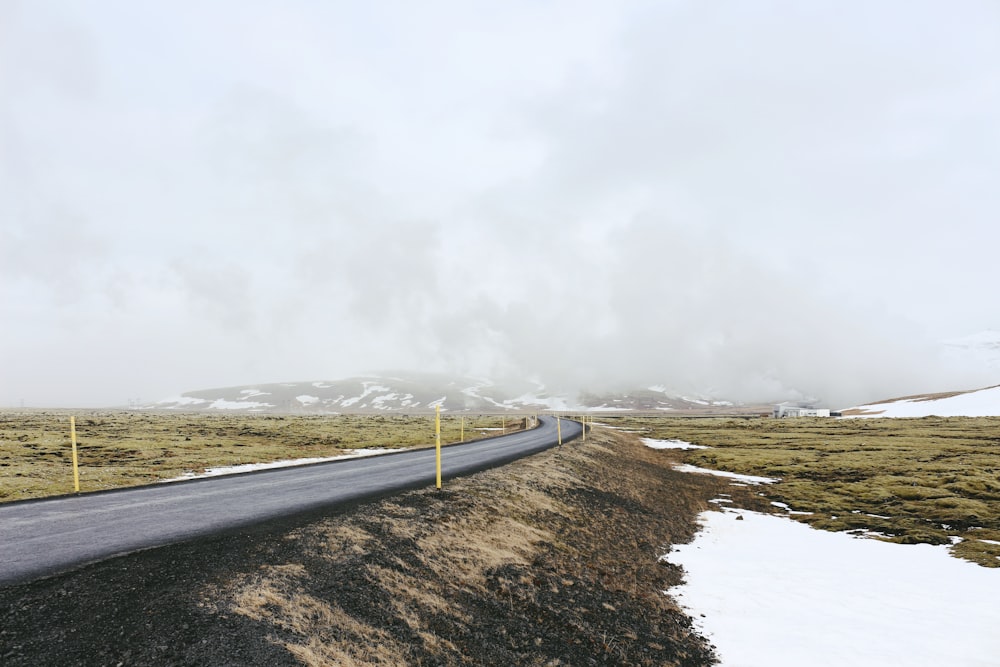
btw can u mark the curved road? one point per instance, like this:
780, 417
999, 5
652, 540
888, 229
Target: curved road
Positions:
44, 537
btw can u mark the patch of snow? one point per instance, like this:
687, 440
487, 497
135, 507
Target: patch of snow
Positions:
306, 399
250, 393
368, 389
770, 591
696, 401
748, 479
473, 391
556, 403
379, 401
184, 400
620, 428
670, 444
223, 404
321, 385
250, 467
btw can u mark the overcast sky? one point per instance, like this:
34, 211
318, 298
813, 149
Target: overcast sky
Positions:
758, 199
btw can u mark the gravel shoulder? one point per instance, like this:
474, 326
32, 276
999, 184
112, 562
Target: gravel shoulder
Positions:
552, 560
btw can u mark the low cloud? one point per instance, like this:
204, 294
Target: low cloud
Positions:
790, 203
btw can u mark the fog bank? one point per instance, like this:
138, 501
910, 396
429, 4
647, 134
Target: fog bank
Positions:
759, 203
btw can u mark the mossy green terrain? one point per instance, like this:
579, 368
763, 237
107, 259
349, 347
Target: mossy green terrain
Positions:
932, 480
120, 448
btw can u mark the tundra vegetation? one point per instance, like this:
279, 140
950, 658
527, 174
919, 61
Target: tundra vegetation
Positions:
932, 480
119, 448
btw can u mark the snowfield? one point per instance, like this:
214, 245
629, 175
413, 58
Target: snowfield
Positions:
287, 463
672, 443
223, 404
769, 591
977, 403
751, 480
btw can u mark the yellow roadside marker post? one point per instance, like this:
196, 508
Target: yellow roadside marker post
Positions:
437, 441
559, 429
583, 420
462, 438
76, 465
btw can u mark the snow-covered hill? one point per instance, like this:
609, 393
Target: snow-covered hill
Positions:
976, 403
372, 393
655, 398
409, 392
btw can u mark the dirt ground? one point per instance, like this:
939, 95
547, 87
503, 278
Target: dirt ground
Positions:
552, 560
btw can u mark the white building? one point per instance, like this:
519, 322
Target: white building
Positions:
799, 411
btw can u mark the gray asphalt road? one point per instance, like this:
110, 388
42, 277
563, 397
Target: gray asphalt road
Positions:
43, 537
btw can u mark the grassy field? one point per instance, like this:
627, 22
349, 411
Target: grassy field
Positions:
118, 449
931, 480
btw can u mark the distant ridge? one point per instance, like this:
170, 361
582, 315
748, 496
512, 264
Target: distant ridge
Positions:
414, 392
409, 392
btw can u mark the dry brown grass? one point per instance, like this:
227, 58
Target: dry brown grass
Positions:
458, 551
130, 448
329, 636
